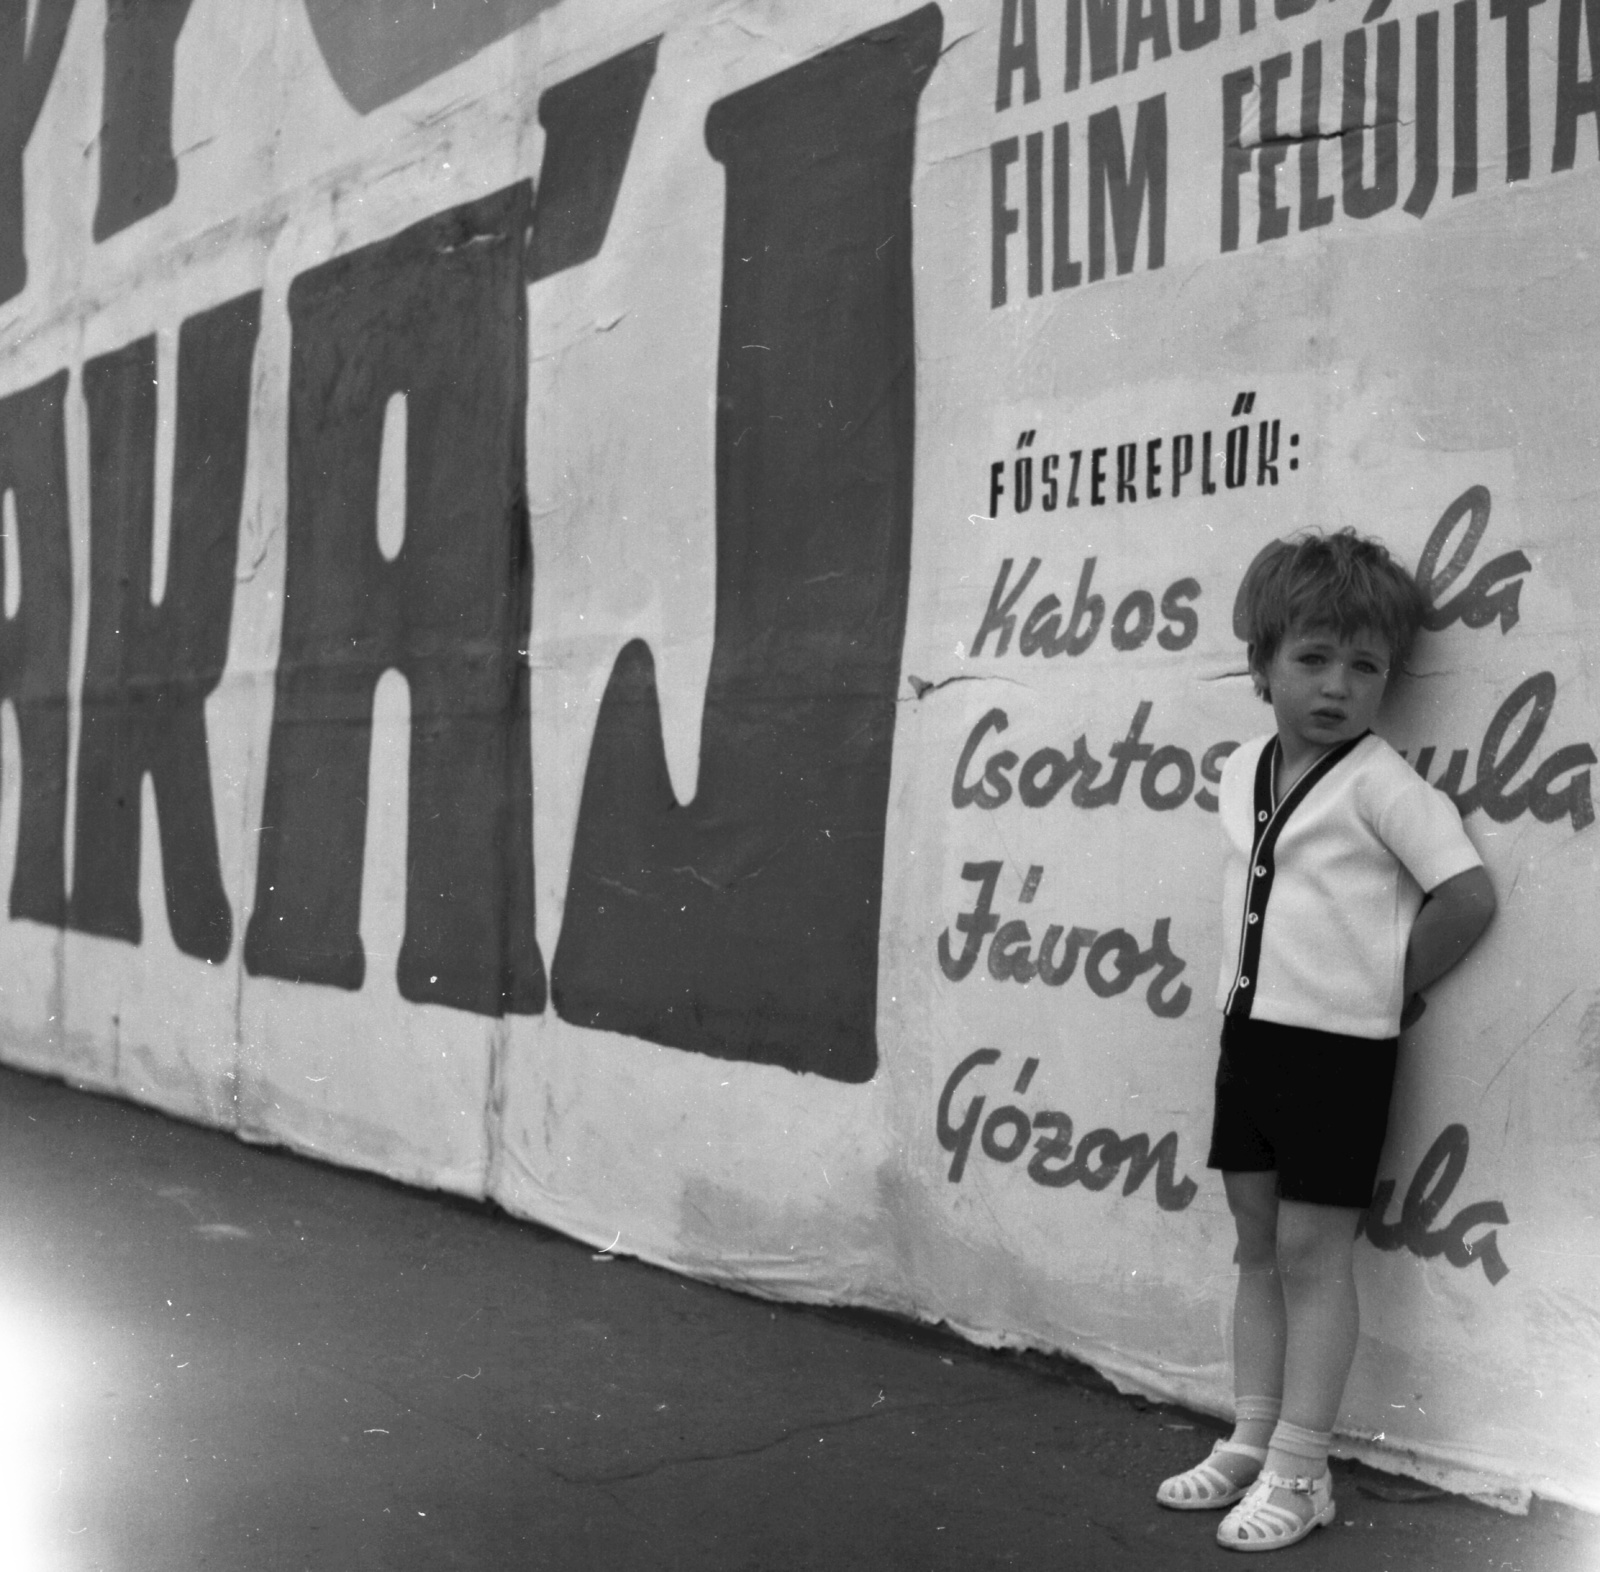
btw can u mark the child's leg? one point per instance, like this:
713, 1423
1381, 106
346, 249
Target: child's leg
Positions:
1258, 1346
1259, 1316
1316, 1247
1327, 1136
1315, 1250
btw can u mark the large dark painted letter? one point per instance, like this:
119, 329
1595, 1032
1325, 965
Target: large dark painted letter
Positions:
589, 122
138, 174
27, 65
745, 924
150, 668
437, 313
35, 644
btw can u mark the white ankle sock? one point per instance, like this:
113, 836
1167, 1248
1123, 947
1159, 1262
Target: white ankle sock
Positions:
1254, 1418
1257, 1408
1307, 1449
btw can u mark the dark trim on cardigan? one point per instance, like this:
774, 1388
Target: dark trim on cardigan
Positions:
1270, 819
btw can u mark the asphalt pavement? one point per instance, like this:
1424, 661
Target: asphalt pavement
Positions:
217, 1356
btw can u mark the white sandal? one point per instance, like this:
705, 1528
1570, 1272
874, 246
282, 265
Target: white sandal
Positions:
1205, 1487
1258, 1523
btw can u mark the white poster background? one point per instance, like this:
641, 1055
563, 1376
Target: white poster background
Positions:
1414, 359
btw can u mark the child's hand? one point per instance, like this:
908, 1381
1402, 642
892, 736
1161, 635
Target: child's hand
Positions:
1411, 1012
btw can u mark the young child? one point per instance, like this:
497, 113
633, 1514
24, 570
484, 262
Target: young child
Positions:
1350, 886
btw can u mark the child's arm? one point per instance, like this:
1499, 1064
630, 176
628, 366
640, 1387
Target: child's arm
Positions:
1451, 921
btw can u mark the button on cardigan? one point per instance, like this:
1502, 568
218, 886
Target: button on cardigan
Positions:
1320, 890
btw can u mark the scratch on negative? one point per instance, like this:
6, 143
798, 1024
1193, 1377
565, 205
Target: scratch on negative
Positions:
695, 873
476, 240
1526, 1040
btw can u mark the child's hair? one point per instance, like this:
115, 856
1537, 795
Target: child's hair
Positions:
1342, 583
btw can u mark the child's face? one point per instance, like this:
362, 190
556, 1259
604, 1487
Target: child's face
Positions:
1326, 689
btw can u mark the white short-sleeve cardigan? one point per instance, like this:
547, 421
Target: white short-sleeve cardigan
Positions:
1320, 890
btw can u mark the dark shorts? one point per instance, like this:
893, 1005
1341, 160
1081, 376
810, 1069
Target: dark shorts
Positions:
1311, 1106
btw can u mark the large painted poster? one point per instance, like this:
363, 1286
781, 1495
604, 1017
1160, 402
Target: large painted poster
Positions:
630, 609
